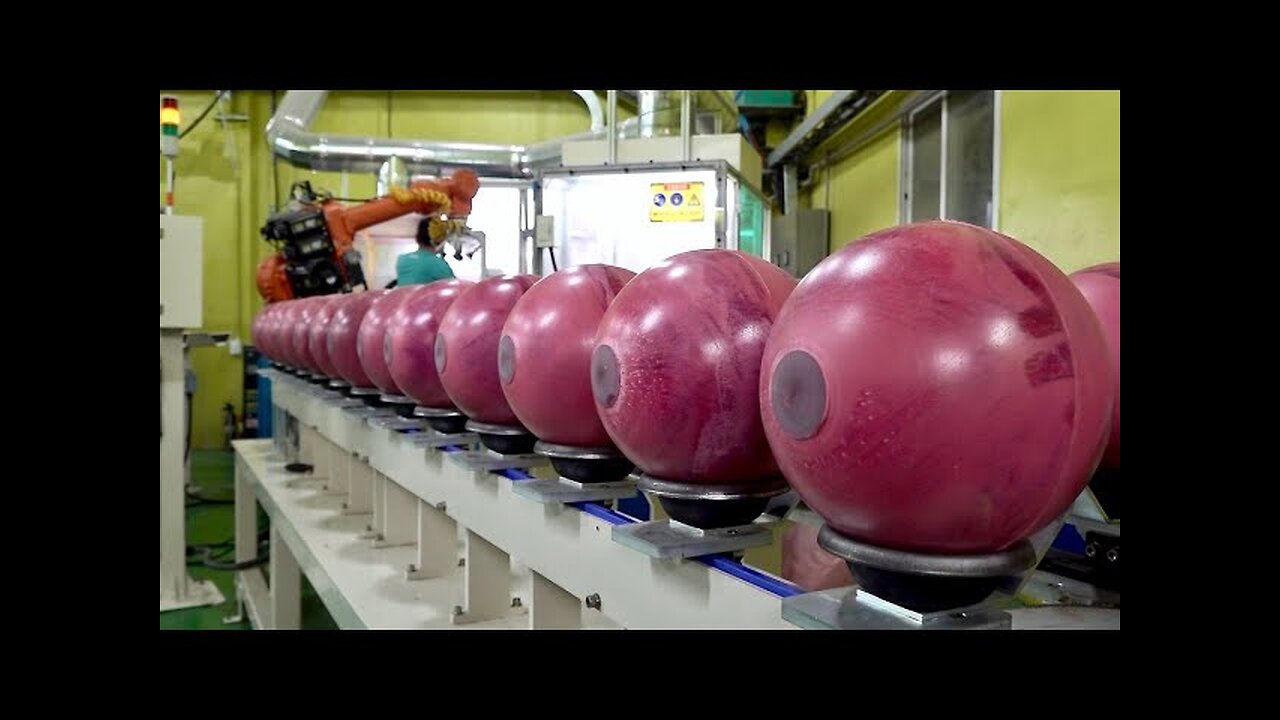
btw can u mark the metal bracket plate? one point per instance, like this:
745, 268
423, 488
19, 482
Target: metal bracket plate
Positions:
671, 539
848, 608
560, 490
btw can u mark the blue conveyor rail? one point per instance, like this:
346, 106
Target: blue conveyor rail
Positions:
723, 563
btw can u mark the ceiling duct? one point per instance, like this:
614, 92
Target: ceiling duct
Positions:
290, 136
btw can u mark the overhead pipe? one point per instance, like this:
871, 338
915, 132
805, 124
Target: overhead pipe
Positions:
686, 126
592, 102
659, 112
290, 137
612, 154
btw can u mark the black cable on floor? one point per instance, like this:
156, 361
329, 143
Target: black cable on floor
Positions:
208, 557
203, 500
214, 565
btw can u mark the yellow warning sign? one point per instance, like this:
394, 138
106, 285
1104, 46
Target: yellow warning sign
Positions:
676, 202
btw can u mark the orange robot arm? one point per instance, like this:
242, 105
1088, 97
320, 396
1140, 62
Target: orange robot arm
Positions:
459, 190
428, 197
273, 282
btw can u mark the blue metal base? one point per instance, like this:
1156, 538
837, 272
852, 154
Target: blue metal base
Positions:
264, 399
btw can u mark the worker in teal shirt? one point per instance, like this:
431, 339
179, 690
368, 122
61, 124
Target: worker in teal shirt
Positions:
423, 265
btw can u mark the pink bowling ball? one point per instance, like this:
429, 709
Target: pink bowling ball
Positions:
676, 367
275, 331
344, 330
937, 388
300, 335
284, 332
412, 333
373, 342
466, 349
318, 334
544, 356
1100, 286
257, 332
265, 325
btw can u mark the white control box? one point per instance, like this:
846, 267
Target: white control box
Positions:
181, 271
544, 232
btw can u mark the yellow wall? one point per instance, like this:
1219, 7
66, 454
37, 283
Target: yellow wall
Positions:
1059, 174
861, 190
235, 192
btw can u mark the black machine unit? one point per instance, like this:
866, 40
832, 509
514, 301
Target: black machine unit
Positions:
313, 264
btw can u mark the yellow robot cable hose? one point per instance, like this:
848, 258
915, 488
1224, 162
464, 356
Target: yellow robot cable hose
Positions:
437, 227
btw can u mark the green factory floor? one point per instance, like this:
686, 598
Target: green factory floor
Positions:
212, 472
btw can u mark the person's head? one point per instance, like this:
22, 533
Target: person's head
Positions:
424, 236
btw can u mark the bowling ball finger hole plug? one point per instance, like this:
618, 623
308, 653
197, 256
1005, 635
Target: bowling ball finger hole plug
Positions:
605, 378
927, 583
506, 359
799, 395
441, 353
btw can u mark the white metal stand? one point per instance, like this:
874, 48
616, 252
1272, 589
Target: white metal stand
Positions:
486, 582
437, 544
551, 607
177, 589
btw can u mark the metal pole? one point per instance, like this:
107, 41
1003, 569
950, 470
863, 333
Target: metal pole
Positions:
686, 125
168, 186
611, 125
173, 541
790, 189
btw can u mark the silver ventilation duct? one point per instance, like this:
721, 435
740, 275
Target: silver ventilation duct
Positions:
290, 137
659, 112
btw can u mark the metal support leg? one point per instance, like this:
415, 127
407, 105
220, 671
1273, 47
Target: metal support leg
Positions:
246, 536
686, 125
338, 480
177, 590
551, 608
319, 454
486, 582
360, 479
306, 444
612, 126
308, 454
286, 586
377, 523
399, 516
437, 544
173, 568
246, 518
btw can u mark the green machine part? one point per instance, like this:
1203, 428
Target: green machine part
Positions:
750, 223
765, 98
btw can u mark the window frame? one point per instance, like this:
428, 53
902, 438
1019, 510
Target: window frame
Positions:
906, 156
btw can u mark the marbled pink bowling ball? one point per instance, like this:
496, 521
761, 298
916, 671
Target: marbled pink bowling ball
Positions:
676, 367
937, 388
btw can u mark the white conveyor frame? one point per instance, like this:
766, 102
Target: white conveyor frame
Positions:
394, 535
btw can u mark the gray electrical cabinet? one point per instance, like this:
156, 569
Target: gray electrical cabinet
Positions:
799, 240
